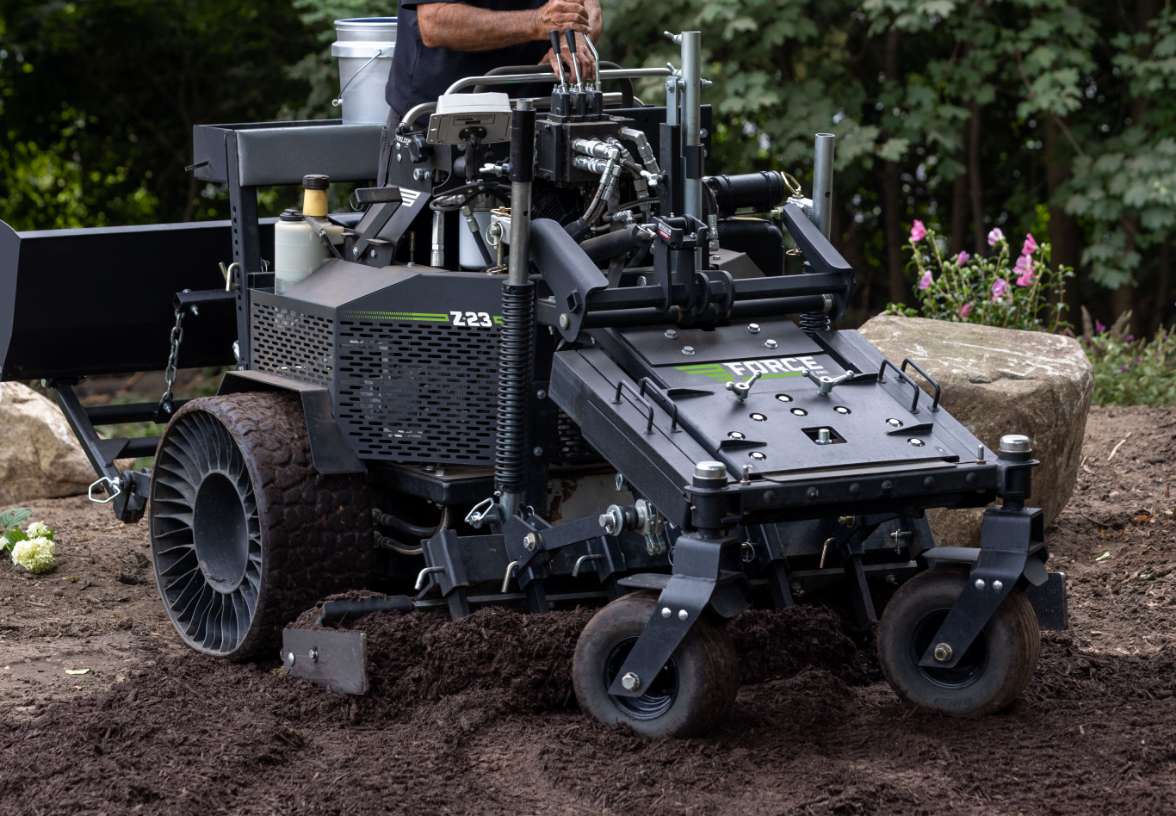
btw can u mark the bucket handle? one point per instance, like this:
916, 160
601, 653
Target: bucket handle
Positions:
343, 91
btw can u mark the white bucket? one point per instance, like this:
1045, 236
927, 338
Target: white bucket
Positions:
364, 48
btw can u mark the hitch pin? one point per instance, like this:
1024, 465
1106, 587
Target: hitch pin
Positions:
425, 573
510, 571
582, 560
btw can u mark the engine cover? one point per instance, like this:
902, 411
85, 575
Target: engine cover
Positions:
409, 355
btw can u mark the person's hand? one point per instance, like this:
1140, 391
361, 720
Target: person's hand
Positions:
560, 15
583, 56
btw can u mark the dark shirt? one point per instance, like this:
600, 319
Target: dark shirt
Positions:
421, 74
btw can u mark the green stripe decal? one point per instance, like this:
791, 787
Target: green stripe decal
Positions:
720, 373
421, 317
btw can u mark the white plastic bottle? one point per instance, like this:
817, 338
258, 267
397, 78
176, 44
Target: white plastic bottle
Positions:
298, 250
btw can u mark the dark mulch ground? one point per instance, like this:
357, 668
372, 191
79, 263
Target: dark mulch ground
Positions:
477, 716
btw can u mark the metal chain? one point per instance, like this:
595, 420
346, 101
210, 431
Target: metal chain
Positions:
169, 372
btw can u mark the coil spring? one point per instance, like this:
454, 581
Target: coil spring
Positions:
516, 360
815, 321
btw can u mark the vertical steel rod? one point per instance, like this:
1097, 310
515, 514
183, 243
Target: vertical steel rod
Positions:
692, 120
520, 195
823, 182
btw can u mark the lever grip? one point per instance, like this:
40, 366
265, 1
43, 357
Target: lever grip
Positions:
555, 50
571, 37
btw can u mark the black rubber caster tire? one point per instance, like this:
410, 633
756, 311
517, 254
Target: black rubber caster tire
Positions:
993, 673
245, 535
690, 696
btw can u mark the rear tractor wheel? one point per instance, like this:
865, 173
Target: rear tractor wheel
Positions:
245, 535
688, 697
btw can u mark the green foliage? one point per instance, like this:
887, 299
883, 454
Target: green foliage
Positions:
990, 289
1073, 103
1130, 371
10, 526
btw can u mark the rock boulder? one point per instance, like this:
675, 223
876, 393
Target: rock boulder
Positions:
998, 381
39, 457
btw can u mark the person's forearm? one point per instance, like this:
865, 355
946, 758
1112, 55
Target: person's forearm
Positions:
466, 28
595, 19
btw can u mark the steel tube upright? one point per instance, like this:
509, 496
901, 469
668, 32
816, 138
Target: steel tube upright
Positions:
692, 120
823, 182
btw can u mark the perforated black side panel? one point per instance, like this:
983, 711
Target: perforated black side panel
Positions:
418, 391
292, 344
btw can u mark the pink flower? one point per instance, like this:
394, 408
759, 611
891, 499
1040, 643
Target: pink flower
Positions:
962, 258
926, 281
965, 310
918, 231
995, 236
1099, 327
1030, 245
999, 287
1024, 270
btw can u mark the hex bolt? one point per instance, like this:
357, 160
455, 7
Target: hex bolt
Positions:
531, 541
666, 612
942, 652
980, 583
770, 343
688, 350
824, 437
753, 328
683, 614
671, 334
541, 394
613, 521
421, 174
564, 321
998, 585
630, 682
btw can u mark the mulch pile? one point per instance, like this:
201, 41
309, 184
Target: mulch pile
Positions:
477, 716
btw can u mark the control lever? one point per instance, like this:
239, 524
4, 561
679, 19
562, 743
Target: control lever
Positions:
742, 389
556, 48
571, 36
595, 62
825, 385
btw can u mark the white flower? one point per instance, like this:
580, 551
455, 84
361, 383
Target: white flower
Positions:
39, 529
4, 544
35, 555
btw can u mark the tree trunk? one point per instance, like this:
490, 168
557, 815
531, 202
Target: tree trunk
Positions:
959, 212
1065, 238
1163, 292
975, 177
892, 197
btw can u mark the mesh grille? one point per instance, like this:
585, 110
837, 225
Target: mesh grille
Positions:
292, 344
573, 447
418, 392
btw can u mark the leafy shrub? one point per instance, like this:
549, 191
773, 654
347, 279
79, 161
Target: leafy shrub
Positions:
990, 289
1129, 370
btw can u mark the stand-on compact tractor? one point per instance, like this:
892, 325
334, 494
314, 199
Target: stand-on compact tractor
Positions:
544, 361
